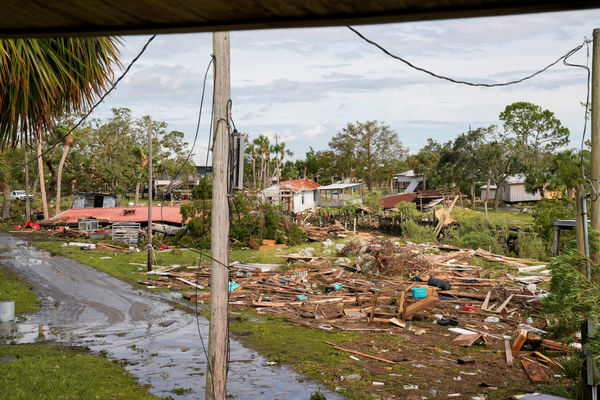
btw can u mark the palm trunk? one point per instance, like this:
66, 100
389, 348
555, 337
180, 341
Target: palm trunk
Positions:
6, 203
59, 177
40, 162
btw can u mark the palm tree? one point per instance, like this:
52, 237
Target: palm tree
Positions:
262, 143
5, 187
41, 79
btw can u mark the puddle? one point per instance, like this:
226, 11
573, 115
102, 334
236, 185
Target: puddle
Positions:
158, 344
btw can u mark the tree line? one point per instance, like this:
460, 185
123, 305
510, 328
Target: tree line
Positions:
530, 142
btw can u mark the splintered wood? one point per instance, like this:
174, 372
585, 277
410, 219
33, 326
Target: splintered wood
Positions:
381, 286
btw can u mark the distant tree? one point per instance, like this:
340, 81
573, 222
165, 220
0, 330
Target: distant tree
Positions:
367, 148
462, 161
537, 134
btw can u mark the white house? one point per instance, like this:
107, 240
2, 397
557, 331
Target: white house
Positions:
407, 181
294, 196
512, 191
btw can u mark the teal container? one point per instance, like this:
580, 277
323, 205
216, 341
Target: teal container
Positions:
419, 292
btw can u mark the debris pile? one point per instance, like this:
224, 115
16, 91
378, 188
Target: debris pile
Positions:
320, 234
382, 286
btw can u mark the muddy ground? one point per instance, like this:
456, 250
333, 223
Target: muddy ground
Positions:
158, 343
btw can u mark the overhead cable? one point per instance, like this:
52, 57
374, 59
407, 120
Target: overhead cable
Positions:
462, 82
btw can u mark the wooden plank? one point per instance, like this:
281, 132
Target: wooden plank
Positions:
402, 303
397, 322
359, 353
486, 301
508, 352
373, 307
419, 306
501, 307
535, 371
516, 347
466, 340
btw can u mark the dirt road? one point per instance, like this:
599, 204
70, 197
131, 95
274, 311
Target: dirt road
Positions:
160, 344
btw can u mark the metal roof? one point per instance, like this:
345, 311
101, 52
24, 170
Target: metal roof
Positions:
25, 18
337, 186
122, 214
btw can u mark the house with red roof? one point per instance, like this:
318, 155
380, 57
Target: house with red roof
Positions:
293, 196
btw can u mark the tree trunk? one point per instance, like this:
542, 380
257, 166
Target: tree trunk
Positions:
51, 189
253, 170
497, 197
40, 163
60, 171
473, 206
137, 193
6, 203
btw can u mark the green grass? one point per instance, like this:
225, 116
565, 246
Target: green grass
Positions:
11, 287
119, 265
50, 372
513, 218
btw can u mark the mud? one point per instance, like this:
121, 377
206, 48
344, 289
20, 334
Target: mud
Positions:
159, 344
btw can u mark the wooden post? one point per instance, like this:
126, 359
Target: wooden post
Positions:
216, 374
149, 194
595, 125
579, 193
27, 205
555, 240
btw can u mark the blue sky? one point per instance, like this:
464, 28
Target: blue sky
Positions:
305, 85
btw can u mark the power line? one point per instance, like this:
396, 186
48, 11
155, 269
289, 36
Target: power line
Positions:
87, 114
458, 81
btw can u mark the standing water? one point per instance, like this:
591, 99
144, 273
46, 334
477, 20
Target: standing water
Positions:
159, 344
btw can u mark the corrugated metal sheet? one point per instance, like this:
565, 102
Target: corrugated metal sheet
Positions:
297, 185
123, 214
391, 201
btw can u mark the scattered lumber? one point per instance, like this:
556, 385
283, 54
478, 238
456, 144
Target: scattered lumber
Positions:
507, 351
519, 341
358, 353
535, 371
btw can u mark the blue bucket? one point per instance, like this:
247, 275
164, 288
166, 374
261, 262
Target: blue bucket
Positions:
419, 292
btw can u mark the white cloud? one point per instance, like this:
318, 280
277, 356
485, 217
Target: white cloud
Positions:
306, 84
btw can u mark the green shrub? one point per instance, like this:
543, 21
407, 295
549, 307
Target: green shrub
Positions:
531, 246
408, 210
474, 232
416, 233
546, 211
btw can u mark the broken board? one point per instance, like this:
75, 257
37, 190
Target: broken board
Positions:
535, 371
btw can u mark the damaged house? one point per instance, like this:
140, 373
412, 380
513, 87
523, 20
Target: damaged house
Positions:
293, 196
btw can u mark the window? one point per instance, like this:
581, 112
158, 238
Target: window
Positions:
302, 197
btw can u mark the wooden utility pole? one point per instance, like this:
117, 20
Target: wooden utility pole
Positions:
596, 134
216, 375
579, 222
27, 206
149, 194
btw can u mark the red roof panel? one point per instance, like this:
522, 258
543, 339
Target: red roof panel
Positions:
300, 184
391, 201
123, 214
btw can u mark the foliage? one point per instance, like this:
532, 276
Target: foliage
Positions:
372, 201
367, 150
249, 220
416, 233
42, 79
537, 133
474, 231
408, 210
531, 246
546, 211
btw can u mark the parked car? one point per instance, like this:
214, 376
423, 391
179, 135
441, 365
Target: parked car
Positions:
19, 195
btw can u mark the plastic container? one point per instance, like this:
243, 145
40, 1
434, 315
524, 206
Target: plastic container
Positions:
7, 310
419, 292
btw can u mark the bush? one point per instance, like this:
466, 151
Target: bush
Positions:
408, 210
474, 232
546, 211
416, 233
531, 246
